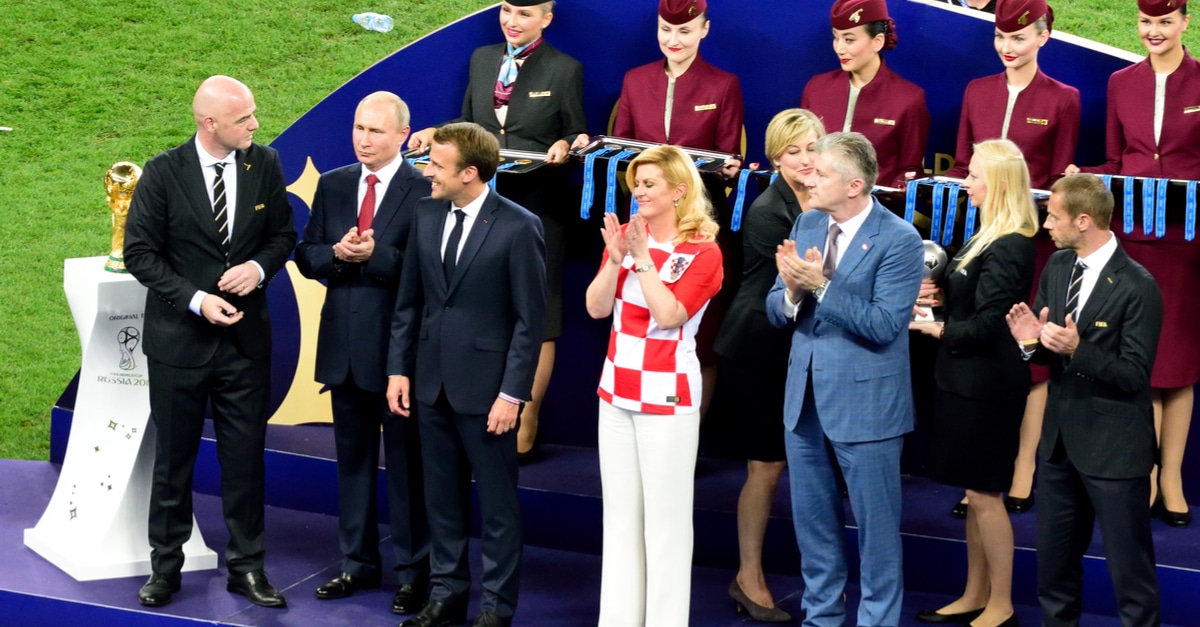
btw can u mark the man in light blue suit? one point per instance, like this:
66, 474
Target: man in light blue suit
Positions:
849, 276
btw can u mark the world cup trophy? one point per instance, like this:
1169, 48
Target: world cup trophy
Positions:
936, 262
119, 182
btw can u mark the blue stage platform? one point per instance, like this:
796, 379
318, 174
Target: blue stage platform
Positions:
560, 583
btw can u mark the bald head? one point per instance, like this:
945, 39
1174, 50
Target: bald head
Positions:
224, 112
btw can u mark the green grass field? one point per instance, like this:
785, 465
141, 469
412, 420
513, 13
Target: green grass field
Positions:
92, 82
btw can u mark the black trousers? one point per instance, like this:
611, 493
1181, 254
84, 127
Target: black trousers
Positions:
358, 416
454, 447
237, 388
1069, 504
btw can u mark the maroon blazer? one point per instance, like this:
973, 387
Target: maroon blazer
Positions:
1044, 124
1130, 147
891, 113
707, 113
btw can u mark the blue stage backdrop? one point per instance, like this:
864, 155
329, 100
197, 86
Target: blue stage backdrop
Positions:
774, 47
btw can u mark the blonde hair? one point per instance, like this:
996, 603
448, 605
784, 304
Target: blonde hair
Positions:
693, 212
1008, 207
788, 127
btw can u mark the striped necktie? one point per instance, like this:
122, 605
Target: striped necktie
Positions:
1073, 289
220, 214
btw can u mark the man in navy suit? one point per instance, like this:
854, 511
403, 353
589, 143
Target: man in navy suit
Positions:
1097, 322
355, 241
464, 347
209, 225
849, 276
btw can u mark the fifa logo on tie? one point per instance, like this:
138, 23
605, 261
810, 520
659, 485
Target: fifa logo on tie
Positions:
127, 340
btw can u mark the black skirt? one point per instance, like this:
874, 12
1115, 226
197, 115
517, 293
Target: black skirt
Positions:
972, 443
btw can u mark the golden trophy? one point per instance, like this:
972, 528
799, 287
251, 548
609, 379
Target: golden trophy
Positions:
119, 182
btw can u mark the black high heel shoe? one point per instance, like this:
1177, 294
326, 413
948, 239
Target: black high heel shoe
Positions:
756, 611
1017, 505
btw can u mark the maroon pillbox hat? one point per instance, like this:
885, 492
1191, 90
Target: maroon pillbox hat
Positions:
847, 14
681, 11
1013, 15
1159, 8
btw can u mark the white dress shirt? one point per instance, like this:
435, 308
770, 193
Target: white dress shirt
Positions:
471, 211
385, 175
229, 176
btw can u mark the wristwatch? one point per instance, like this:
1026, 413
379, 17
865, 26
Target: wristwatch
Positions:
645, 267
820, 291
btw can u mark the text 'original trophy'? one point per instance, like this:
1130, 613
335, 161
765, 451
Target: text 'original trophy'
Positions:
119, 182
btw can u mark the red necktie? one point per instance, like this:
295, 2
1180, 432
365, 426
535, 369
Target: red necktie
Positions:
366, 213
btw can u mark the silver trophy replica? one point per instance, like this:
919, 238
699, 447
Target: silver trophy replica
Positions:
936, 262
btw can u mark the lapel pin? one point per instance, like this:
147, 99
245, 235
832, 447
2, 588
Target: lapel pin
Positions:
866, 245
247, 166
1109, 280
485, 221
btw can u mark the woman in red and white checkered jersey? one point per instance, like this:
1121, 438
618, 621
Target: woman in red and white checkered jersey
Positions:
658, 274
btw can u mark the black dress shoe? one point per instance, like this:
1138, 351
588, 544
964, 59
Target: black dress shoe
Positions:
409, 599
959, 510
345, 584
1018, 505
934, 617
436, 614
488, 619
1175, 519
158, 589
255, 587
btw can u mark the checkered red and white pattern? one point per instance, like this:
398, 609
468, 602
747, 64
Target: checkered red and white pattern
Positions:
648, 369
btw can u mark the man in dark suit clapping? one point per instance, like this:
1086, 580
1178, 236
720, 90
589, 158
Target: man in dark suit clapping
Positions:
209, 225
464, 347
355, 241
1097, 326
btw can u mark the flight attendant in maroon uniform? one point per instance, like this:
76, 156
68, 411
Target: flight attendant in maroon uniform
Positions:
684, 101
1154, 130
867, 97
1041, 116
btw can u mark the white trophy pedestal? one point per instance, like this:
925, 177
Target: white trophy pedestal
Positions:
95, 526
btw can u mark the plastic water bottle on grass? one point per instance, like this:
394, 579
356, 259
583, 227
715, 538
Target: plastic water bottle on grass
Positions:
373, 21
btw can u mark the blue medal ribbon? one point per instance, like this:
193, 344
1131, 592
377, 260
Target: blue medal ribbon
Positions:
935, 220
1147, 206
735, 222
1189, 221
910, 201
774, 175
951, 214
589, 182
969, 226
610, 196
1160, 209
1107, 178
1128, 187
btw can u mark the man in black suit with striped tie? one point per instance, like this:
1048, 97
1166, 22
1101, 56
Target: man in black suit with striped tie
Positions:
1097, 324
208, 227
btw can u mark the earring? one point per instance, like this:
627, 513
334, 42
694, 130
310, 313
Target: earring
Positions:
677, 203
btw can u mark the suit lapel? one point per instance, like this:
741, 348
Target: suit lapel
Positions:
479, 230
247, 191
345, 214
397, 190
1102, 291
191, 177
862, 242
433, 239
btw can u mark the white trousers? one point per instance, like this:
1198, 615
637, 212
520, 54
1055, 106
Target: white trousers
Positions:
647, 469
